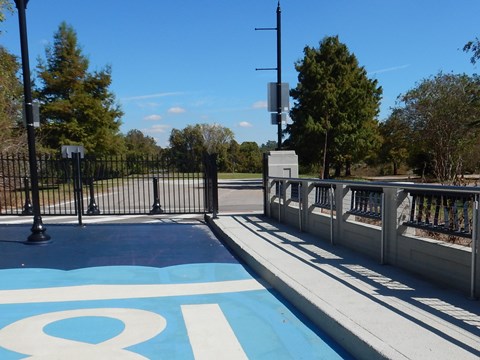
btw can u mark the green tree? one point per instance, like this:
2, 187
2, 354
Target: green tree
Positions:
474, 48
77, 106
5, 6
270, 145
137, 144
443, 112
216, 140
233, 160
189, 145
335, 110
187, 148
250, 158
12, 135
396, 135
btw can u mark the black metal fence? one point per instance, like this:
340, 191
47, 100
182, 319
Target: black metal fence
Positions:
109, 186
447, 213
366, 202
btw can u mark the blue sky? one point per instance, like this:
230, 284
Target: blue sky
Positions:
176, 63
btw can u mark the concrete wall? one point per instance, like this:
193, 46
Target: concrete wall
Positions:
386, 240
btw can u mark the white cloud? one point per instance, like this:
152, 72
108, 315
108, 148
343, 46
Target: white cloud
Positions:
157, 128
153, 117
150, 96
148, 105
245, 124
259, 105
176, 110
394, 68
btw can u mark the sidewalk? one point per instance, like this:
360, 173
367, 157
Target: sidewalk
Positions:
374, 311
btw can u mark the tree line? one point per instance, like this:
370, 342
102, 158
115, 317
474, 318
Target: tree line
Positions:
433, 129
77, 107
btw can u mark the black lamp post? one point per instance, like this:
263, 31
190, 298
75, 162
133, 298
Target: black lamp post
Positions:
279, 77
278, 86
38, 235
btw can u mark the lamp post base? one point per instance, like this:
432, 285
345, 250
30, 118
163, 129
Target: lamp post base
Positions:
38, 235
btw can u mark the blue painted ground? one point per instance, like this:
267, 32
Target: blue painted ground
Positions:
131, 292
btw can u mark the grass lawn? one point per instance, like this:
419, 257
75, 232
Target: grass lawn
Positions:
239, 176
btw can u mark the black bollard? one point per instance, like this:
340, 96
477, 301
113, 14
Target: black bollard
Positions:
156, 207
27, 208
92, 206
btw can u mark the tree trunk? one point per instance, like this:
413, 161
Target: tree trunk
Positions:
395, 168
326, 169
326, 165
338, 170
348, 168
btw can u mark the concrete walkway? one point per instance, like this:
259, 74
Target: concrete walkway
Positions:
374, 311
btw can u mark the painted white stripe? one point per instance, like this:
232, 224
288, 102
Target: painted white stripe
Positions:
111, 292
27, 335
210, 334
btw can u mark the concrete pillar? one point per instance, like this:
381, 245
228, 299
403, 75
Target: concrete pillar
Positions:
283, 163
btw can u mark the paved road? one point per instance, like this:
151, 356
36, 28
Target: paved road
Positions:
142, 291
240, 196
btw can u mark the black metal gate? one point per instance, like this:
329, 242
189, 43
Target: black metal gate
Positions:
110, 186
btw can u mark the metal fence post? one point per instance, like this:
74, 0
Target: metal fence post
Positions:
300, 199
265, 182
383, 230
331, 194
473, 276
77, 186
214, 184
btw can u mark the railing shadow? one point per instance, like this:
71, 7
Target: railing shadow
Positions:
387, 281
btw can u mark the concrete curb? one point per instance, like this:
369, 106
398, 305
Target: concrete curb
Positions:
347, 333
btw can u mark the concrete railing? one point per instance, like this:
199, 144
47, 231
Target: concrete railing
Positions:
391, 222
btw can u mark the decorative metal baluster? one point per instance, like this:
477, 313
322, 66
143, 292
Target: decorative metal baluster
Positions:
366, 200
353, 200
428, 211
466, 220
446, 218
412, 210
379, 204
456, 225
438, 200
421, 199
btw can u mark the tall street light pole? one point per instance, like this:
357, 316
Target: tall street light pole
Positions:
279, 77
38, 235
278, 84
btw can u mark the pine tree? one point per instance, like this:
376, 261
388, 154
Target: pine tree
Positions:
336, 105
77, 106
